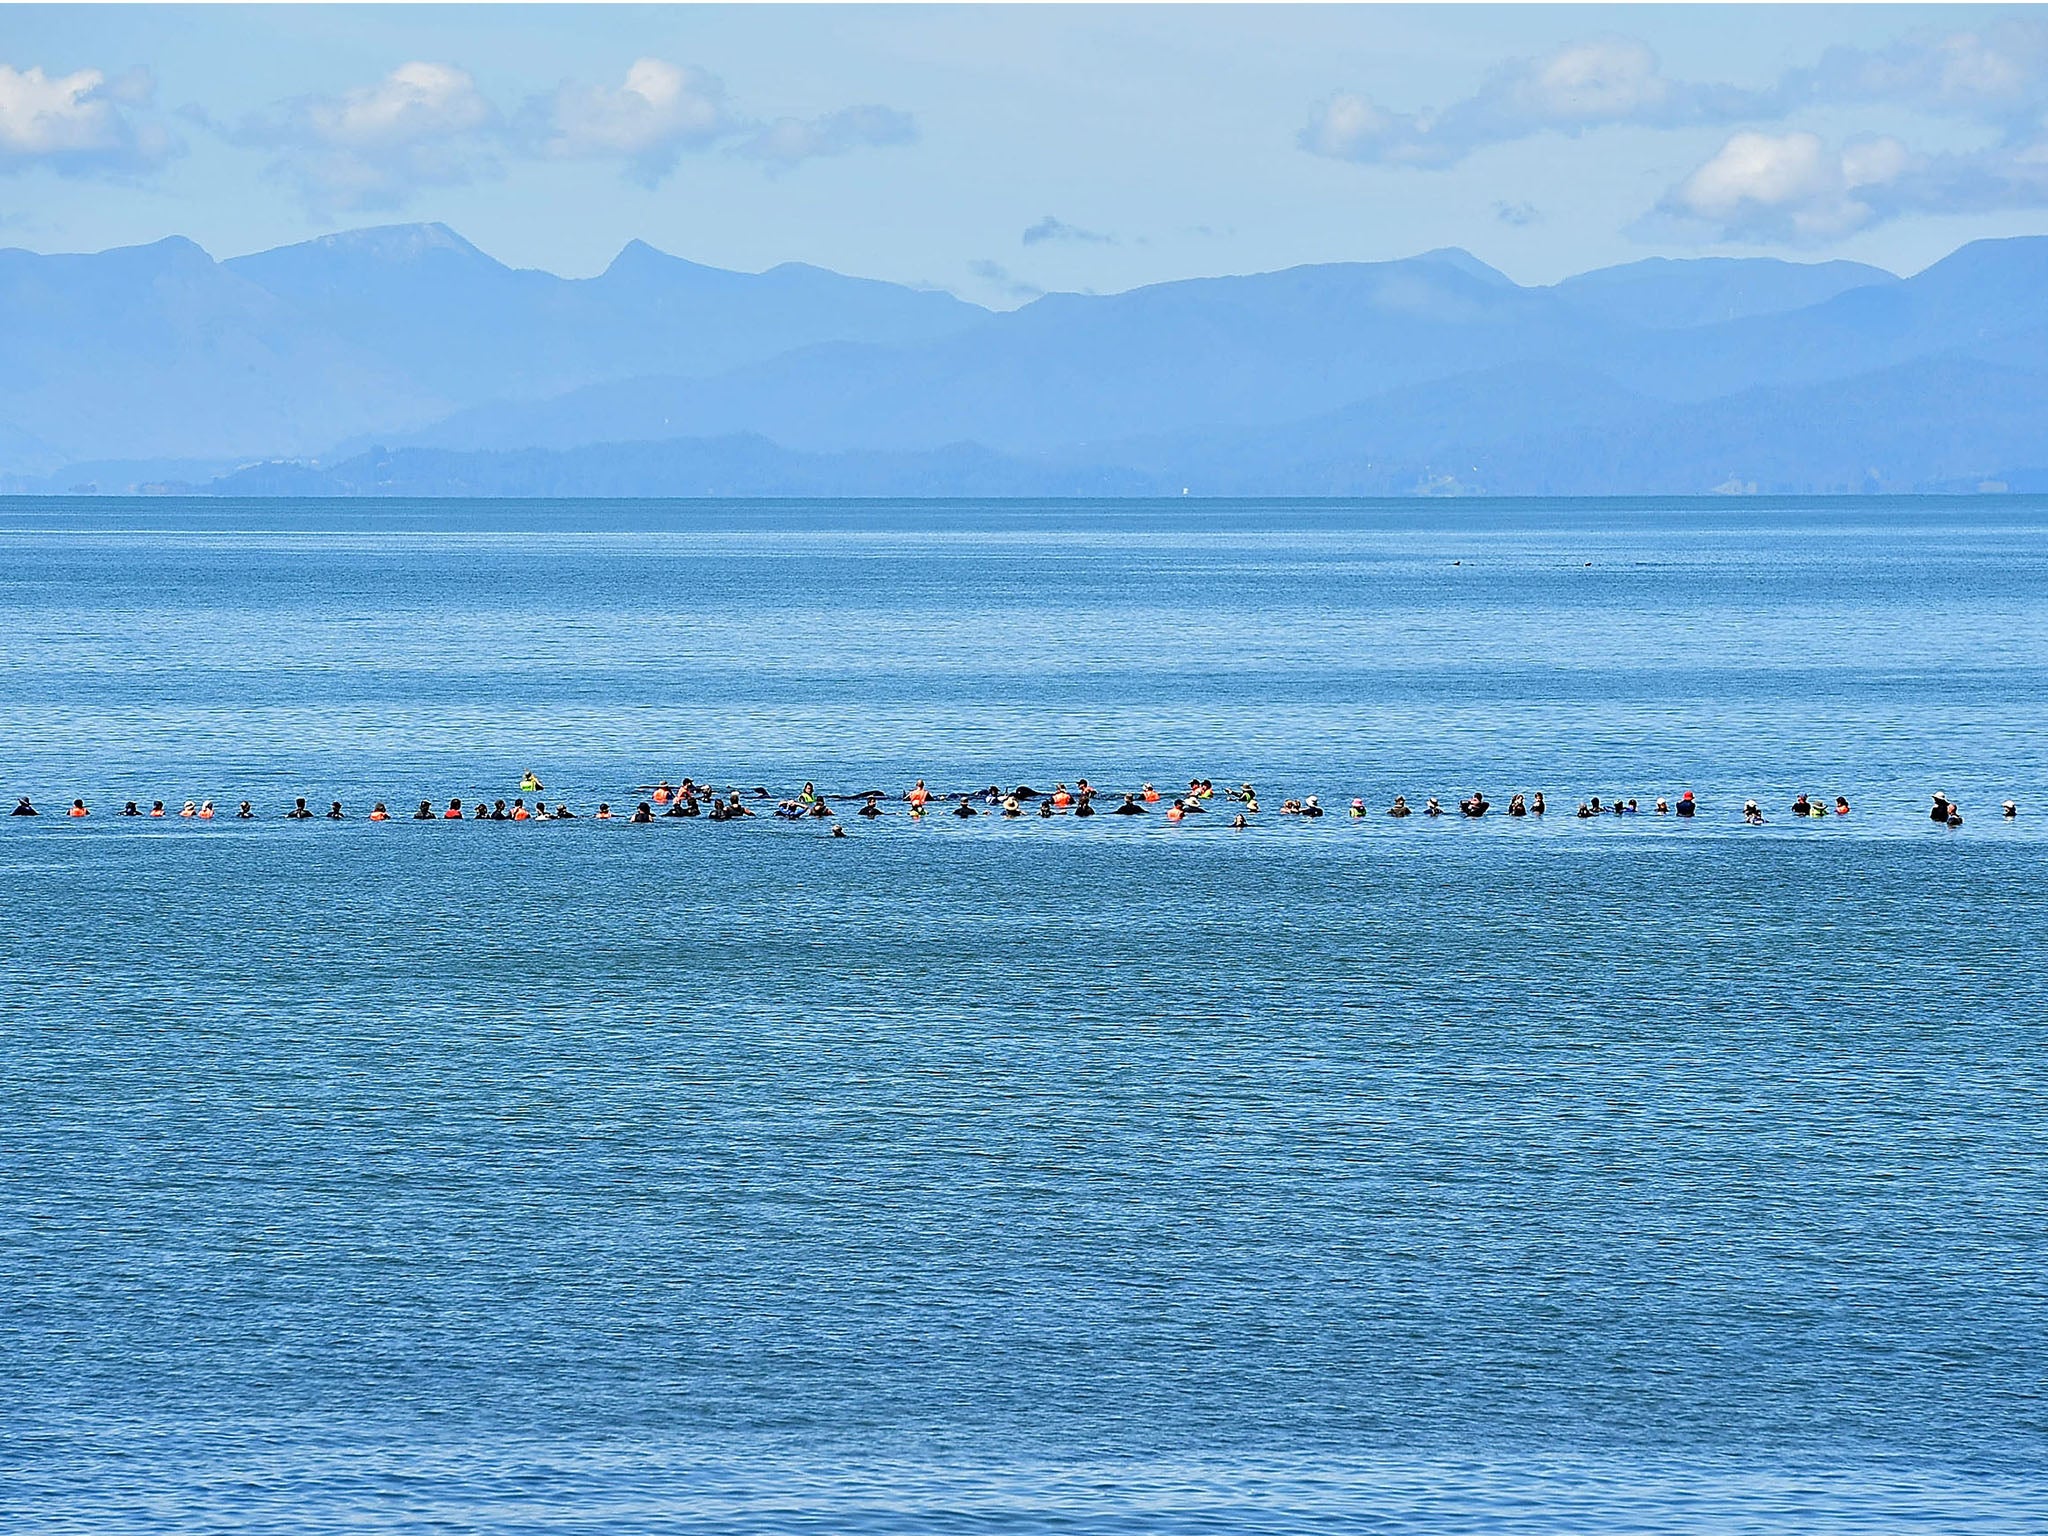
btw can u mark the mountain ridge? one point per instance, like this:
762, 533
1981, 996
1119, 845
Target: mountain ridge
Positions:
409, 340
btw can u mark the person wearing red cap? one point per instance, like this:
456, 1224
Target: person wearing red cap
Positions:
1684, 806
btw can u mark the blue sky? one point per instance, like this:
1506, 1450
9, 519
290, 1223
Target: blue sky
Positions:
997, 151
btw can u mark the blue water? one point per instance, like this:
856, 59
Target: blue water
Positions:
1623, 1176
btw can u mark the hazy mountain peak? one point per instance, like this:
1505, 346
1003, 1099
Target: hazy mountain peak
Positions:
1667, 293
1464, 261
638, 259
1997, 258
386, 244
171, 252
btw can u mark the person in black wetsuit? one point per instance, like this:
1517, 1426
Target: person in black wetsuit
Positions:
873, 806
334, 811
1130, 807
298, 812
964, 809
23, 808
245, 812
1685, 805
642, 815
1082, 805
425, 812
1940, 810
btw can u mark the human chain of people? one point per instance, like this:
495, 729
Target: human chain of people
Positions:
692, 799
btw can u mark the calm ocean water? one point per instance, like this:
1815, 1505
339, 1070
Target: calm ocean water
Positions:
1625, 1176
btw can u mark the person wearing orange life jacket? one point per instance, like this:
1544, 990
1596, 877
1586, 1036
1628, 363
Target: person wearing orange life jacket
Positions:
454, 811
156, 808
520, 812
918, 795
662, 793
1060, 798
604, 811
1149, 795
78, 809
378, 813
206, 810
1174, 812
191, 809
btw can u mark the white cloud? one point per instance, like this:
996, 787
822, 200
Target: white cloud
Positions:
790, 140
1794, 187
1997, 72
1050, 228
1788, 186
663, 111
657, 113
422, 125
1004, 282
78, 124
427, 124
1584, 85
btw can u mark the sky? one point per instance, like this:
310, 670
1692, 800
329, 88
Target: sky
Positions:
1001, 151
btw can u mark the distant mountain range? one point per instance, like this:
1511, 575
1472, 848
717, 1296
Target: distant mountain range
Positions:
404, 361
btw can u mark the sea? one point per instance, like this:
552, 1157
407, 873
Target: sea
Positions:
1624, 1174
